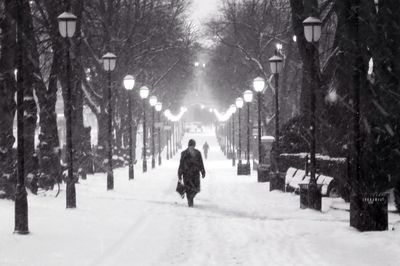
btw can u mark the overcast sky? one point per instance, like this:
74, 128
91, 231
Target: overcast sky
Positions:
202, 10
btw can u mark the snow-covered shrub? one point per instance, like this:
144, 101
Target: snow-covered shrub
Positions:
7, 186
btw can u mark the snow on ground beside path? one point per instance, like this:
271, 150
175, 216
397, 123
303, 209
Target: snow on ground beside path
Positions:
235, 221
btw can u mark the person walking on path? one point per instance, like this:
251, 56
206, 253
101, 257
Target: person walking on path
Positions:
190, 167
205, 149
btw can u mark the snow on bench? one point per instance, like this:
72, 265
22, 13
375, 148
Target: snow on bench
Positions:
290, 174
294, 177
297, 178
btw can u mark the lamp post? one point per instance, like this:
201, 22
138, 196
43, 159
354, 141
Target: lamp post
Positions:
248, 97
158, 108
178, 135
109, 61
144, 93
312, 32
167, 129
153, 102
173, 139
167, 142
21, 200
258, 85
239, 105
129, 83
276, 65
233, 111
66, 27
227, 138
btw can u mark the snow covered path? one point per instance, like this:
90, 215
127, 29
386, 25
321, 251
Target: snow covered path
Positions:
235, 221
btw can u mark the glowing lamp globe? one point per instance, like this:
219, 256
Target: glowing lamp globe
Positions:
312, 29
248, 96
276, 64
258, 84
67, 24
153, 100
233, 109
129, 82
239, 102
109, 61
144, 92
158, 107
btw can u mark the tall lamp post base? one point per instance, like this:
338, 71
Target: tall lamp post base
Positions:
310, 196
131, 176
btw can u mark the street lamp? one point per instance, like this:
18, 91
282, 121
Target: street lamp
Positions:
153, 102
259, 85
312, 29
158, 109
171, 125
239, 104
129, 83
276, 65
248, 97
376, 2
228, 136
279, 46
66, 27
173, 149
109, 61
233, 111
167, 133
67, 24
312, 32
144, 93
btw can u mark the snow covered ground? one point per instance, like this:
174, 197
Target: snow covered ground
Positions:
235, 221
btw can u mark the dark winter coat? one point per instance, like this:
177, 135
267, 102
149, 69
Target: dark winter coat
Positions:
190, 167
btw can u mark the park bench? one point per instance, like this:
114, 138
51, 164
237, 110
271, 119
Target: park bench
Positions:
294, 178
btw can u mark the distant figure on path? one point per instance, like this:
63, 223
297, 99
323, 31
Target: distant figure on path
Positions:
205, 149
190, 167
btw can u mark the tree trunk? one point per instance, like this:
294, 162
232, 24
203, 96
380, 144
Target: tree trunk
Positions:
49, 159
380, 102
102, 135
7, 102
30, 109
